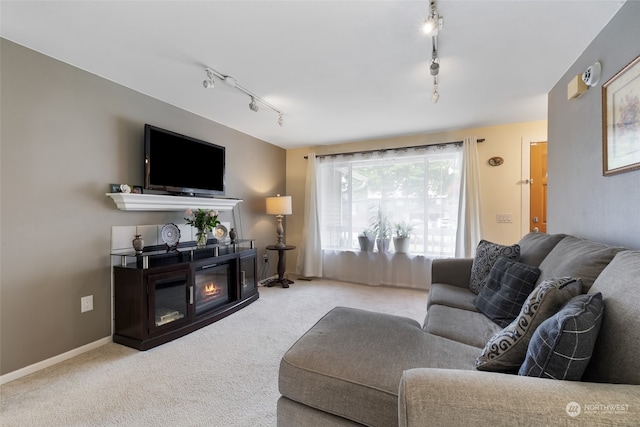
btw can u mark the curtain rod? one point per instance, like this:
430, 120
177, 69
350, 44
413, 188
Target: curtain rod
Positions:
350, 153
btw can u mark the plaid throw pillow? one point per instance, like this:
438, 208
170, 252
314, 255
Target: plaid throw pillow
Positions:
507, 349
487, 253
505, 290
562, 345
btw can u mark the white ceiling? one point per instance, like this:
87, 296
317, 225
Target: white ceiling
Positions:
340, 70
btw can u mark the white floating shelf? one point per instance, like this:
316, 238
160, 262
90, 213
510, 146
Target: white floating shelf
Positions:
159, 202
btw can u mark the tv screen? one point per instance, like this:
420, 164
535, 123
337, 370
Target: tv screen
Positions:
180, 164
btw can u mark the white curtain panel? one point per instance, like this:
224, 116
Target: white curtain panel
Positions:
373, 268
309, 263
469, 230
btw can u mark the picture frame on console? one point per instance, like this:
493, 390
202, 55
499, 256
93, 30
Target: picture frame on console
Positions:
621, 120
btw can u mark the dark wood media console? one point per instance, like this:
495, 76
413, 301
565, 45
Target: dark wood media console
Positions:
160, 296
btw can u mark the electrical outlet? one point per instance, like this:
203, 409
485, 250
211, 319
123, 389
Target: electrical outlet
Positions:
86, 303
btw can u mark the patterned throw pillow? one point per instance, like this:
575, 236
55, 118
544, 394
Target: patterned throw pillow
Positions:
487, 253
507, 349
562, 345
505, 290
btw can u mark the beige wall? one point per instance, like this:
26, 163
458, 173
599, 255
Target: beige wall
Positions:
64, 139
500, 186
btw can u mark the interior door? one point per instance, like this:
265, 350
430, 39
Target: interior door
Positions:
538, 187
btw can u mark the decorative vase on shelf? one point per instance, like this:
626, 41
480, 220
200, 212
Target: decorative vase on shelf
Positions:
233, 235
138, 243
201, 239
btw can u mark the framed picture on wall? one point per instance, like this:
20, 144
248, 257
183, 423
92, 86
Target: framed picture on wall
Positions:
621, 120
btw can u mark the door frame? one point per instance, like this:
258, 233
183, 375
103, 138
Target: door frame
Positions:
525, 175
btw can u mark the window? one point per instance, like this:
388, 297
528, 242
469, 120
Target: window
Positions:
418, 186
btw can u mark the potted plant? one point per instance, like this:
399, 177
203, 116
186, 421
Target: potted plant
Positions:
381, 227
401, 239
366, 240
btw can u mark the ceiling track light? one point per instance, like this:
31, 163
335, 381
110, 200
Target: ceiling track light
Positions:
231, 82
253, 106
434, 21
432, 26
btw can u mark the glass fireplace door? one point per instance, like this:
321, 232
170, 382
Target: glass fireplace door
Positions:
169, 299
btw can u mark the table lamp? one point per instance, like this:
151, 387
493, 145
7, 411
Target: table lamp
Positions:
279, 206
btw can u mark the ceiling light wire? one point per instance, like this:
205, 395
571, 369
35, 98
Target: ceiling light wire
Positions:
211, 74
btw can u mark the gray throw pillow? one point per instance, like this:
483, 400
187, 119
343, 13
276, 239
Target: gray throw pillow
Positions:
507, 349
487, 253
562, 345
505, 290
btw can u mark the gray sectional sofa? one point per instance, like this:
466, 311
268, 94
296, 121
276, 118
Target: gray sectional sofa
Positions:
357, 367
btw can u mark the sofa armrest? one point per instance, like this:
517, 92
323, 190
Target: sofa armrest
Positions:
445, 397
452, 271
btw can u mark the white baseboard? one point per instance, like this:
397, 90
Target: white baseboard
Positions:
53, 360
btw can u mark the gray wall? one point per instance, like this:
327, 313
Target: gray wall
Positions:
66, 135
581, 200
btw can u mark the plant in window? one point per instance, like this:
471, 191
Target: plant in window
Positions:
366, 240
381, 226
401, 239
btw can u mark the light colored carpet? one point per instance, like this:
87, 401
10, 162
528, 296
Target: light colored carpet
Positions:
225, 374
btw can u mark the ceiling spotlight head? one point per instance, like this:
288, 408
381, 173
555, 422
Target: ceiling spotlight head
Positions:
436, 94
430, 26
208, 84
253, 105
434, 68
433, 23
280, 120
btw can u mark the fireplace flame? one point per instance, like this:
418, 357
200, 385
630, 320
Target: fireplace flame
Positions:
210, 289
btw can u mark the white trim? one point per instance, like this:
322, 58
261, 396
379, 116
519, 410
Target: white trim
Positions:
161, 202
53, 360
525, 193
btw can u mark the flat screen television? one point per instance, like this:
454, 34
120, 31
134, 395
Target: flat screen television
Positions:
183, 165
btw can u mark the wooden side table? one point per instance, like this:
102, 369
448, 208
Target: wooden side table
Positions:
281, 279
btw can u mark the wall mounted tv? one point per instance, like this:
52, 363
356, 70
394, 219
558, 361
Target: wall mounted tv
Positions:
180, 164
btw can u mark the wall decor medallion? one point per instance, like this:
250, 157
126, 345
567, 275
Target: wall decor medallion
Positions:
496, 161
621, 120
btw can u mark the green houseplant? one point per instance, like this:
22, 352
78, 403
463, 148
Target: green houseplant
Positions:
402, 237
366, 239
381, 227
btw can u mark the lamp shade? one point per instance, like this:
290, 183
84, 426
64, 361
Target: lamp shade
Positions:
279, 205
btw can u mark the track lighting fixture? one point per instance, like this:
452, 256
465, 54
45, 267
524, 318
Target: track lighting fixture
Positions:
230, 81
208, 83
434, 22
253, 106
436, 94
432, 25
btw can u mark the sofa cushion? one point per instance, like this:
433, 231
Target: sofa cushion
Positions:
616, 357
534, 247
580, 258
562, 345
464, 326
487, 253
451, 296
350, 363
506, 350
505, 290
